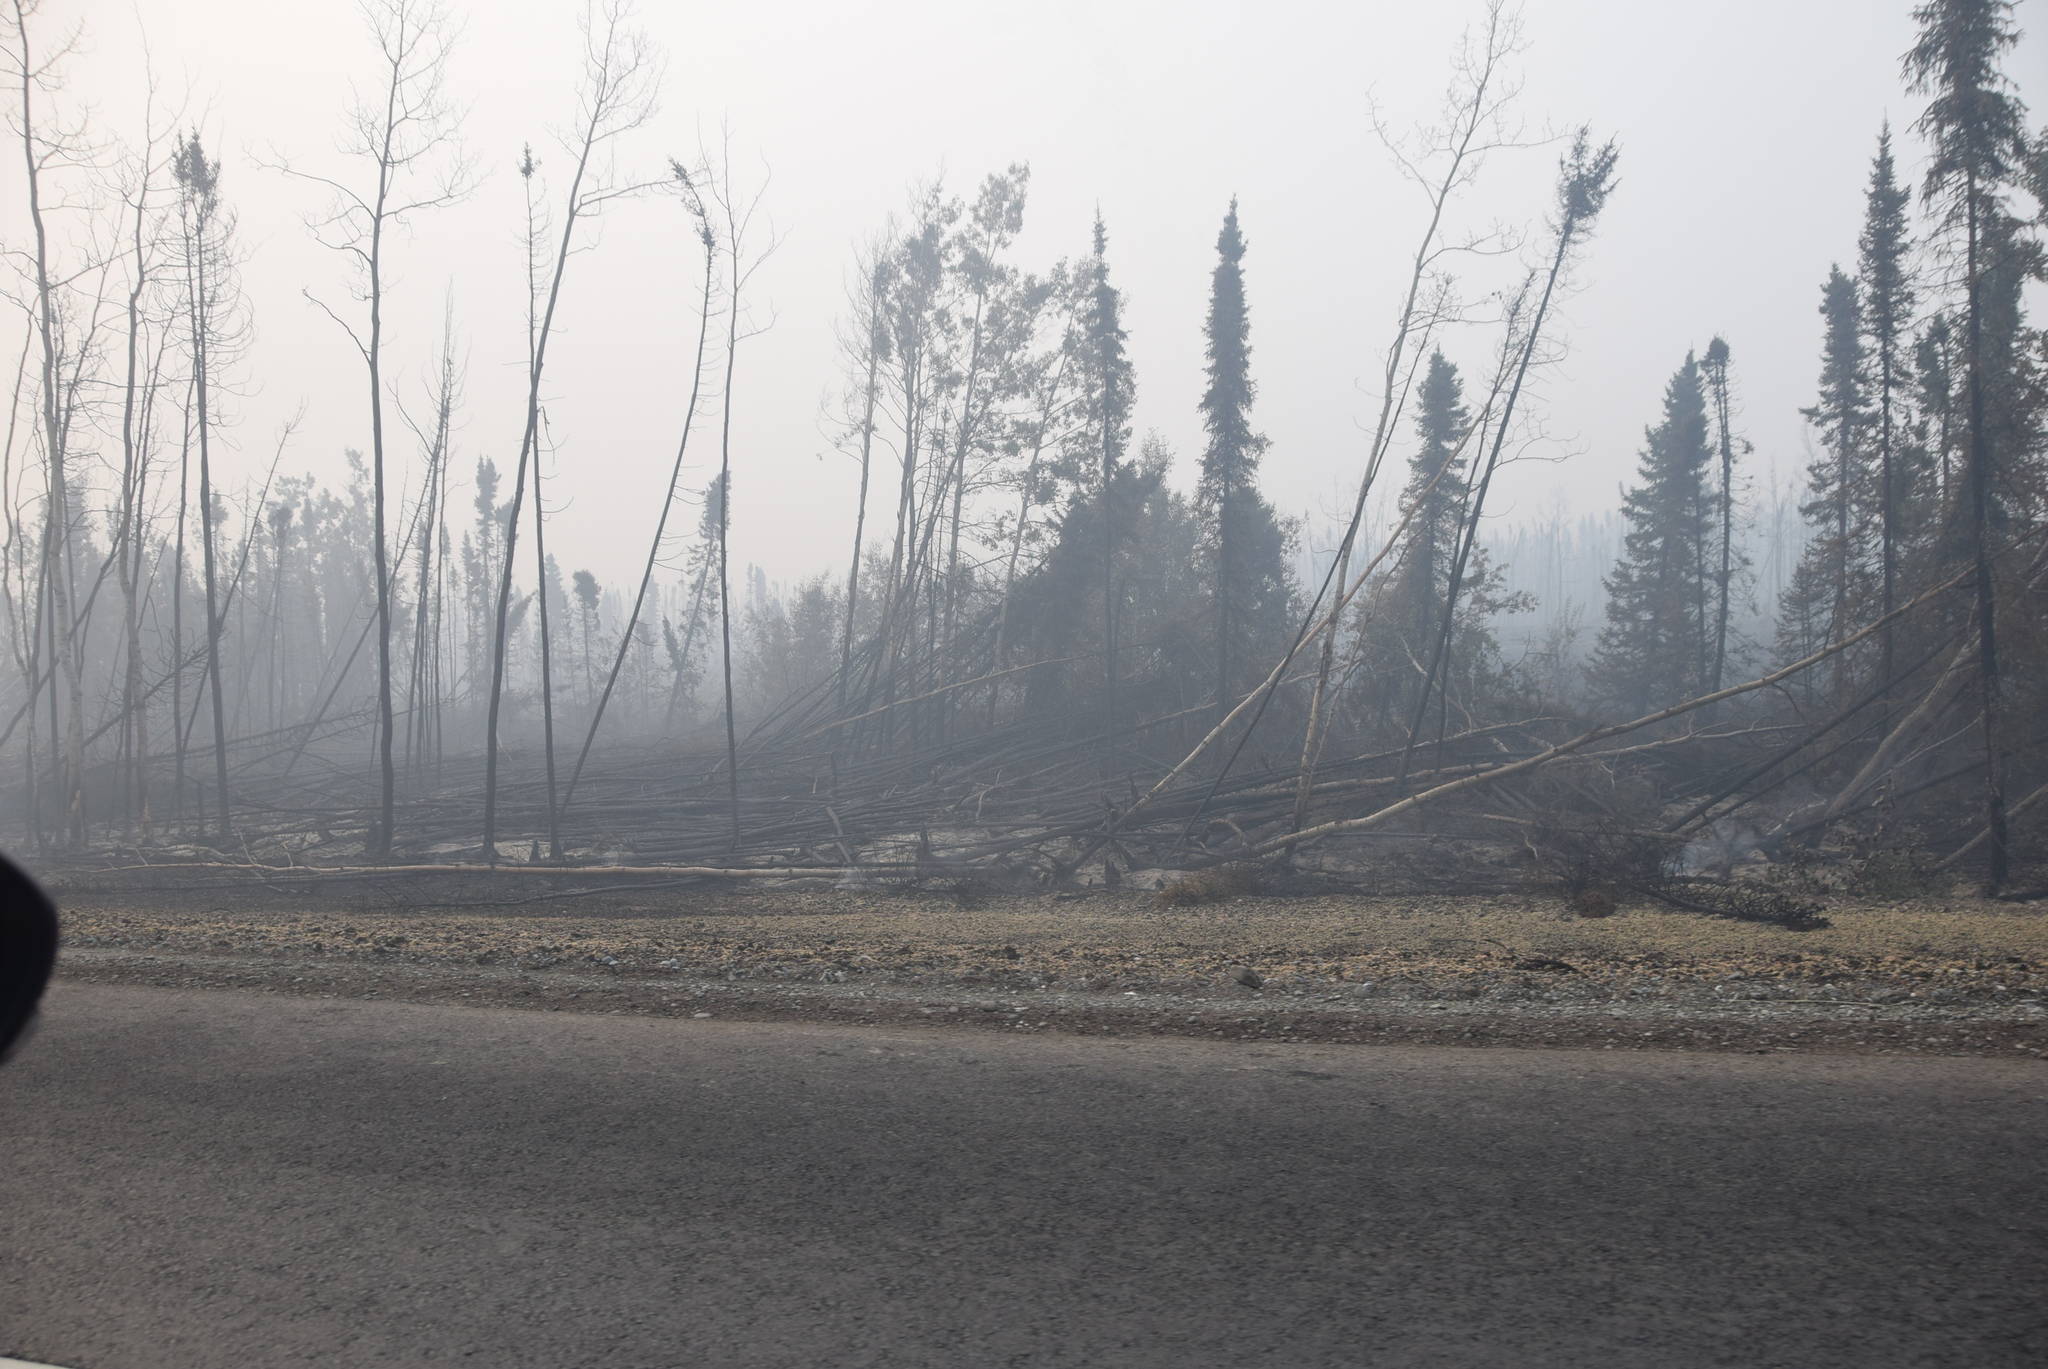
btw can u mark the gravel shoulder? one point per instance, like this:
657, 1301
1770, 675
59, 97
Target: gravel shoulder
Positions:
1955, 977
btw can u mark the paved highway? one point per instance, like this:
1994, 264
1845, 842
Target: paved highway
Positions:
200, 1178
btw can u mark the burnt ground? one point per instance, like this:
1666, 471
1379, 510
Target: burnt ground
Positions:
1924, 976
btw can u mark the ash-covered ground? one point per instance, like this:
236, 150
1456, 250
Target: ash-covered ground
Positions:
1925, 975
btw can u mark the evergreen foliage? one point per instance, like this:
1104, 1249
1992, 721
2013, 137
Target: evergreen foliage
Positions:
1886, 286
1242, 538
1400, 619
1653, 649
1833, 588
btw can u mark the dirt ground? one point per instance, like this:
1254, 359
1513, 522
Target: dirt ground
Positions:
1924, 976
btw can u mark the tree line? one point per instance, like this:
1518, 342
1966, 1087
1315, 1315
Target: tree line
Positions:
1023, 574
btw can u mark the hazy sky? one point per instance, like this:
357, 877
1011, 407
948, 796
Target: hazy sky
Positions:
1747, 130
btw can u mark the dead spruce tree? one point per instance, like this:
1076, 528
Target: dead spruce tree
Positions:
1721, 402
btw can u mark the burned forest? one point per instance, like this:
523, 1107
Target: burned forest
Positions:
1048, 646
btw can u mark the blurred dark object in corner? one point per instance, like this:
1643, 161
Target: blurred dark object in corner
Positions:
28, 950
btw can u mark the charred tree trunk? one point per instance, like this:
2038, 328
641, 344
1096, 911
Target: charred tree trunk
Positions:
547, 684
1983, 586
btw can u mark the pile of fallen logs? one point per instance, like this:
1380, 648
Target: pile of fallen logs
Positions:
1040, 799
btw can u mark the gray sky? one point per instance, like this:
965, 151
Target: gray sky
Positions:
1747, 129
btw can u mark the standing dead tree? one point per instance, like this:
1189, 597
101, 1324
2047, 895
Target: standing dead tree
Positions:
186, 410
987, 375
693, 203
737, 210
45, 147
542, 574
1585, 179
408, 130
621, 73
14, 581
423, 688
1451, 157
1718, 392
866, 343
141, 379
912, 314
230, 596
206, 228
1047, 378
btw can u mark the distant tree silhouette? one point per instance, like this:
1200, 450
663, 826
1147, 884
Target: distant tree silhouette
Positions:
1652, 651
1976, 128
1245, 540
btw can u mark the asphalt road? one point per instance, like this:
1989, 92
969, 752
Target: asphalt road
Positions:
219, 1178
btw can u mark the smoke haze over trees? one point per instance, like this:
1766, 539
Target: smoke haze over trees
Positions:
1042, 582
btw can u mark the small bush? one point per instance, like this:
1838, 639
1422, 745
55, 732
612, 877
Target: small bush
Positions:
1593, 903
1600, 855
1891, 872
1207, 886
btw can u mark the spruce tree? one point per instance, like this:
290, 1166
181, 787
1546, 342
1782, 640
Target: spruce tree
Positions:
1935, 389
1401, 621
588, 592
1435, 493
1922, 436
1110, 393
554, 591
1887, 298
1399, 625
1652, 649
1836, 561
1240, 526
2011, 369
1976, 129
